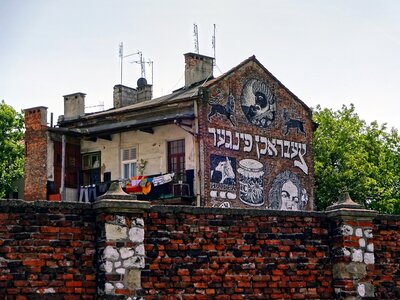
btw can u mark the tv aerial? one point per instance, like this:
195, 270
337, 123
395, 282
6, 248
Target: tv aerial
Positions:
196, 38
141, 61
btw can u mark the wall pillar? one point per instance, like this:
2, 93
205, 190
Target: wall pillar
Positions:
120, 248
35, 168
352, 249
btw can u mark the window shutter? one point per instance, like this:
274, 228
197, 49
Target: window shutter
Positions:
129, 154
132, 153
125, 154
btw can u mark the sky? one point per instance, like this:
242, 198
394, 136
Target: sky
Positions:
328, 53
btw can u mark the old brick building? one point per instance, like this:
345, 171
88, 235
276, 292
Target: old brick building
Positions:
239, 140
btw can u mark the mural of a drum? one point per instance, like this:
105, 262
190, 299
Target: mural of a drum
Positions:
251, 182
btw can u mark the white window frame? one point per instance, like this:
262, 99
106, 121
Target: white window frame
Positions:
129, 157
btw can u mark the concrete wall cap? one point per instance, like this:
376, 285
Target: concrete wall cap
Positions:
350, 212
233, 211
114, 205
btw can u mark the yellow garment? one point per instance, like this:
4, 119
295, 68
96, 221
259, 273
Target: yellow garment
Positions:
147, 188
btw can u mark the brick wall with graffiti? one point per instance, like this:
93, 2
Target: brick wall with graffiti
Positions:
256, 142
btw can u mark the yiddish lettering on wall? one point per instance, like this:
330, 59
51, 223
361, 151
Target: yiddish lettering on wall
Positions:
258, 148
263, 145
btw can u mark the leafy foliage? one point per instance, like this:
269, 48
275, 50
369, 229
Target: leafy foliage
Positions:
361, 158
11, 147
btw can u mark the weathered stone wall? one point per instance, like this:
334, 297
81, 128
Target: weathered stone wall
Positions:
120, 249
46, 250
352, 252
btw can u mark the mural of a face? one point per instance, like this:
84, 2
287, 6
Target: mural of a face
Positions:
287, 193
258, 103
290, 196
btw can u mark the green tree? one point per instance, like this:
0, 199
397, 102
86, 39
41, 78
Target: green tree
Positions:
362, 158
11, 148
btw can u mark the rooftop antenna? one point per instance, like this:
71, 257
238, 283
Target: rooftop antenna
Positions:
122, 56
100, 105
150, 63
142, 64
196, 38
214, 45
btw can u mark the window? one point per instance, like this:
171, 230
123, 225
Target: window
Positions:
91, 163
128, 163
176, 159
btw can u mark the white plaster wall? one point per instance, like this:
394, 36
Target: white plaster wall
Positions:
150, 147
110, 154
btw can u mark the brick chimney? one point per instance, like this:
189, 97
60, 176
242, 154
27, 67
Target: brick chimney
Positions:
197, 68
35, 168
124, 95
74, 106
145, 91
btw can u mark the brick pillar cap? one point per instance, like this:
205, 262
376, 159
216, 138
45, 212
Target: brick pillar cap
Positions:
117, 201
344, 201
347, 208
115, 192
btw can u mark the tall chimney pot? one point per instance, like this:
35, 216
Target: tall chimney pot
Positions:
74, 106
197, 68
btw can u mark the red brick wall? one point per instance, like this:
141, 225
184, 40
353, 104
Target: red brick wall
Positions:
387, 257
236, 254
46, 251
35, 154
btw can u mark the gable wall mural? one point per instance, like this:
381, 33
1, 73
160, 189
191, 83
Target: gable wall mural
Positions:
256, 144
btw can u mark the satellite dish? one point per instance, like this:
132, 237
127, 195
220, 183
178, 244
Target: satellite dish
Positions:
141, 82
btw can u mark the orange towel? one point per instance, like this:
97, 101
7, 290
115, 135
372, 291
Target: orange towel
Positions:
147, 188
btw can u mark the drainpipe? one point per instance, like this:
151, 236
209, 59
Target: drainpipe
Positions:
197, 154
63, 143
120, 157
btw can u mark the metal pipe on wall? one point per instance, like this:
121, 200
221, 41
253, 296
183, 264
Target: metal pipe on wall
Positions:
62, 188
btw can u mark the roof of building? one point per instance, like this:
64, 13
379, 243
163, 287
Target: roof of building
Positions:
255, 60
178, 95
165, 110
150, 113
